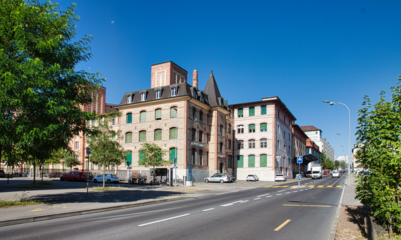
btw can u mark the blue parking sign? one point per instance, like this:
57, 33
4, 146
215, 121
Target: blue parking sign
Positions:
299, 159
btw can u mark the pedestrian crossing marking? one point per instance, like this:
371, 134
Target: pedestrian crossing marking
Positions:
320, 186
338, 186
276, 186
285, 186
311, 185
268, 186
330, 186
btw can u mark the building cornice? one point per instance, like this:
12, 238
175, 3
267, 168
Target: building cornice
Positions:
154, 102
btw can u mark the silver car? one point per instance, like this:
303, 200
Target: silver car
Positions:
252, 177
221, 178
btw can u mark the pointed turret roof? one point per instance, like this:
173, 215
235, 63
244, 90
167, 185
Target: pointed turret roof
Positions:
212, 90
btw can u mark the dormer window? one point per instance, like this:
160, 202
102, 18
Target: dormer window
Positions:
174, 92
201, 97
158, 94
194, 95
129, 99
143, 97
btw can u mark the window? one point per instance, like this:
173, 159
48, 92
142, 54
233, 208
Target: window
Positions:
201, 97
128, 137
158, 114
230, 161
252, 111
158, 134
173, 112
143, 96
263, 160
251, 161
173, 155
207, 159
229, 144
240, 112
129, 117
263, 127
141, 158
263, 110
193, 156
251, 143
240, 161
240, 129
200, 157
193, 113
142, 136
113, 136
200, 136
174, 92
194, 95
221, 130
129, 99
229, 128
240, 144
200, 117
115, 120
129, 158
173, 133
263, 143
208, 138
251, 128
221, 147
193, 134
158, 94
76, 145
143, 116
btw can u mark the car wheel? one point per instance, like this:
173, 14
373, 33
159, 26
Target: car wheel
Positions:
221, 181
61, 179
206, 181
75, 179
94, 180
109, 181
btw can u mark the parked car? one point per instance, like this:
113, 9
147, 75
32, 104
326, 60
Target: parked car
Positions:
231, 177
219, 177
2, 174
335, 174
308, 174
280, 177
55, 175
75, 176
326, 172
252, 177
109, 178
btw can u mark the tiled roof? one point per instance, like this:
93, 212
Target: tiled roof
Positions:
212, 90
309, 128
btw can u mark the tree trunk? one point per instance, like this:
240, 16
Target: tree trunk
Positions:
104, 175
41, 167
34, 172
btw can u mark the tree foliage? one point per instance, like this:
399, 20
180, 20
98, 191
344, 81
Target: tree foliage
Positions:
70, 159
326, 162
378, 137
343, 165
41, 91
105, 149
153, 156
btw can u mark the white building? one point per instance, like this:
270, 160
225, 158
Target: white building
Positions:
315, 135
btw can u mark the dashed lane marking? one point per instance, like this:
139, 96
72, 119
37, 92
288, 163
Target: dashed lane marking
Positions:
329, 186
263, 195
320, 186
163, 220
256, 199
311, 185
207, 209
282, 225
338, 186
298, 205
279, 194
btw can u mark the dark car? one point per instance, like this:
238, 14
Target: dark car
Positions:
75, 176
2, 174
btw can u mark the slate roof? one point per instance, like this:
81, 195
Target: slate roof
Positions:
309, 128
212, 90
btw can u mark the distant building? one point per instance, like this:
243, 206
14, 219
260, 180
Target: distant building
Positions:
298, 148
315, 134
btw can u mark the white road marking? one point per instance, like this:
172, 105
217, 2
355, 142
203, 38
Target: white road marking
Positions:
297, 191
207, 209
263, 195
244, 201
230, 204
281, 191
287, 193
279, 194
256, 199
269, 196
163, 220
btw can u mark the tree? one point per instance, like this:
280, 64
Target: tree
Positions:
70, 160
105, 150
153, 155
336, 164
343, 165
326, 162
41, 91
378, 137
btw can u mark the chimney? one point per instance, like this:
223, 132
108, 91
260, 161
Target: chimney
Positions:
195, 79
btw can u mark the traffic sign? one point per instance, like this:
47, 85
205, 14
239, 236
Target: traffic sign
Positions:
299, 176
299, 159
175, 167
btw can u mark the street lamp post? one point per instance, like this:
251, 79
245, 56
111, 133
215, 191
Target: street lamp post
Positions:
349, 138
342, 146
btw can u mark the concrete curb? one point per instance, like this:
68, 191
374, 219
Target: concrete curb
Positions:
333, 230
84, 212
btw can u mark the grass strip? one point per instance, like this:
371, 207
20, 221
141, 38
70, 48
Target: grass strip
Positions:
18, 203
106, 188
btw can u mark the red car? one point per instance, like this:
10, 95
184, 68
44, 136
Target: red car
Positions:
75, 176
326, 172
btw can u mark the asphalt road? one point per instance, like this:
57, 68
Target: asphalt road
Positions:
261, 213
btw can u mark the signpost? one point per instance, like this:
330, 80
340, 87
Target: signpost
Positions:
299, 161
128, 168
88, 152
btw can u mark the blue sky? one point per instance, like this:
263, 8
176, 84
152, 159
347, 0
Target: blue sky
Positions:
302, 51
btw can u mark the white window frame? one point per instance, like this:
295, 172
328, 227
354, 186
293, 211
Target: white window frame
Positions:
129, 99
158, 94
240, 129
76, 145
143, 97
174, 92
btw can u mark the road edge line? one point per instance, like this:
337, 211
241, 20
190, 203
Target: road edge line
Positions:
11, 222
333, 230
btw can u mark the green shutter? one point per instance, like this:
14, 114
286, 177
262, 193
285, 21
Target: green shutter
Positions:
263, 160
142, 136
263, 112
173, 112
141, 158
263, 127
158, 114
240, 162
128, 137
251, 161
240, 112
252, 111
172, 154
113, 134
173, 133
129, 118
158, 134
251, 126
129, 158
143, 116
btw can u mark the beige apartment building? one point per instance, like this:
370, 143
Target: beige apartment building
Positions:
263, 138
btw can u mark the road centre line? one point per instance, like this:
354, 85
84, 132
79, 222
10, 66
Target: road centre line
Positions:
320, 186
209, 209
263, 195
279, 194
269, 196
299, 205
287, 192
281, 191
230, 204
256, 199
163, 220
282, 225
